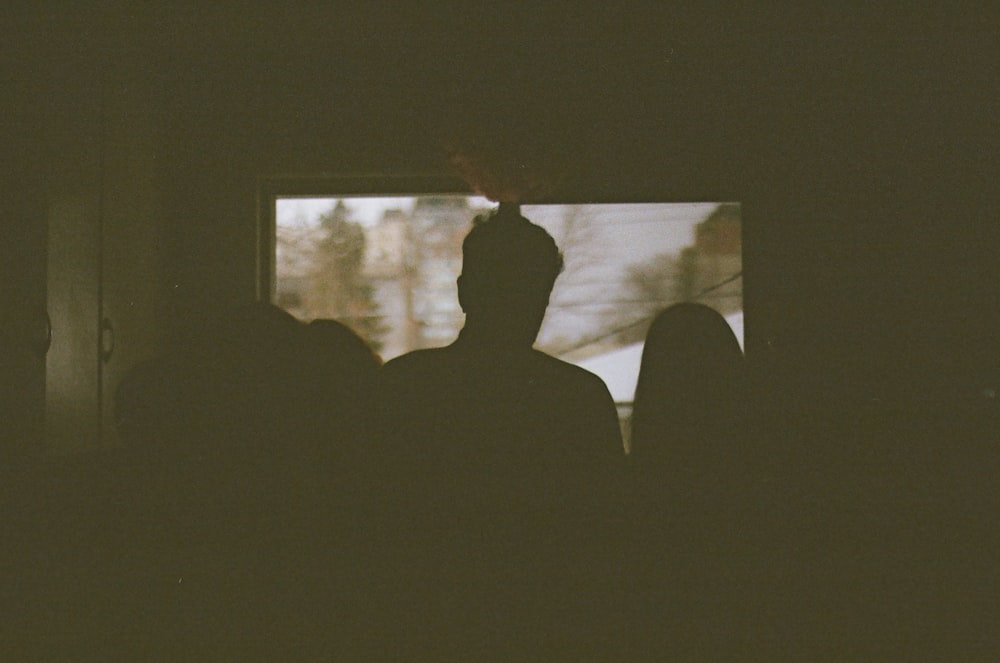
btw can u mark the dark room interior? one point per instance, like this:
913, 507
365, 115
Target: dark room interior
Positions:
141, 143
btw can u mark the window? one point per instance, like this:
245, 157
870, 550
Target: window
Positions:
386, 266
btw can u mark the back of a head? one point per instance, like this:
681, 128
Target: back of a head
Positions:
337, 374
339, 343
690, 373
507, 258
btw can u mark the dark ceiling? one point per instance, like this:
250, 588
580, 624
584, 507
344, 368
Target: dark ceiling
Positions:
723, 91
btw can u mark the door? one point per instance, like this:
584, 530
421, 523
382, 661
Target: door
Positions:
73, 119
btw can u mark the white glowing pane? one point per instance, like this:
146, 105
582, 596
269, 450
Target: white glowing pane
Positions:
624, 263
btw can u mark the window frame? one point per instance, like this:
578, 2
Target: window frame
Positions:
270, 188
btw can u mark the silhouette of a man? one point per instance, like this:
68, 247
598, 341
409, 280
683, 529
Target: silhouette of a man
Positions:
490, 408
497, 459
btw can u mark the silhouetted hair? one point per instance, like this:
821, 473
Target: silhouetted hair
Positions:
689, 377
507, 253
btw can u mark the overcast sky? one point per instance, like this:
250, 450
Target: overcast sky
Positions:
366, 211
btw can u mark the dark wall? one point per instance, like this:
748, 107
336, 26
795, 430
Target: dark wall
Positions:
22, 268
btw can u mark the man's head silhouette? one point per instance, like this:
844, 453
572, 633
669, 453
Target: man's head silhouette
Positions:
509, 266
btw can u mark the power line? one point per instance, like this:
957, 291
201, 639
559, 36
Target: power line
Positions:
636, 302
646, 318
718, 285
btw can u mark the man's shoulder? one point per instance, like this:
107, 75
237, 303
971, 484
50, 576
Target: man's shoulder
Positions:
413, 360
415, 366
583, 401
564, 371
442, 364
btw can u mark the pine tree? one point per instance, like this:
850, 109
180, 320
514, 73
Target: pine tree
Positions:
338, 288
